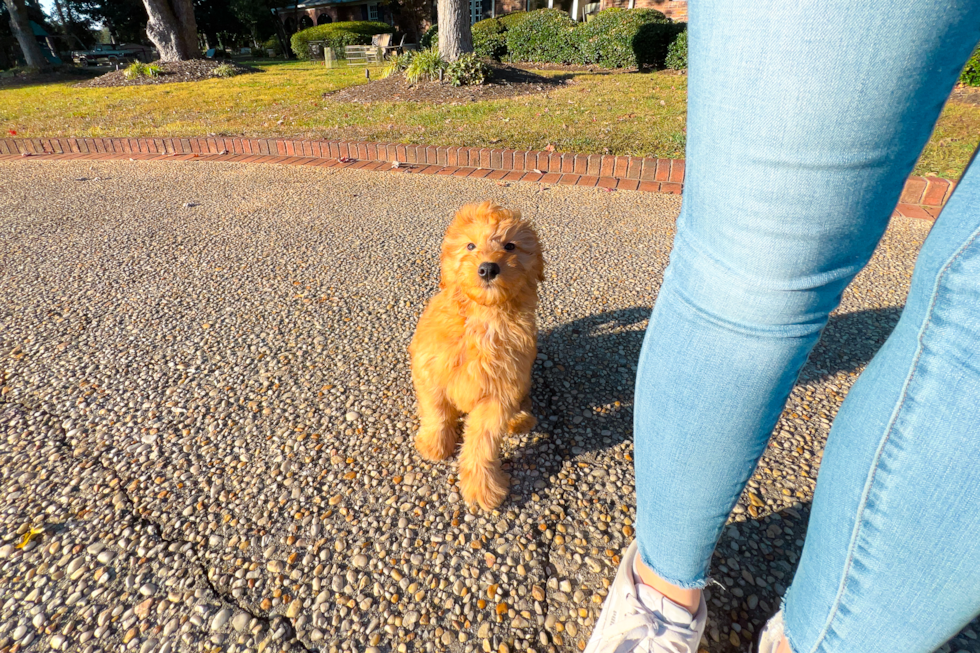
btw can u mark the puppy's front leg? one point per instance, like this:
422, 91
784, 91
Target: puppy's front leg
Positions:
481, 479
523, 421
436, 439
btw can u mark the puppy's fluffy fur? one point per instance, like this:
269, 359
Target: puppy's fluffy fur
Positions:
474, 346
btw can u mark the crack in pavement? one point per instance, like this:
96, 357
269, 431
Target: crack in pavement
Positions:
272, 623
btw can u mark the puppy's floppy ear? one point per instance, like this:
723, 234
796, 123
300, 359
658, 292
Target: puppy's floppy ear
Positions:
447, 276
451, 244
447, 271
537, 268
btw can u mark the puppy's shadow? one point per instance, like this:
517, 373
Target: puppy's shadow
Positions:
583, 391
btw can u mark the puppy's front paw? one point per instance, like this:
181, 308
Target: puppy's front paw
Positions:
436, 443
521, 423
484, 486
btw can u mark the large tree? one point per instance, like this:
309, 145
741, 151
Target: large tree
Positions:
172, 28
455, 36
21, 28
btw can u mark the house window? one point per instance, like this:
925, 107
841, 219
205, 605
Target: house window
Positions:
372, 12
476, 11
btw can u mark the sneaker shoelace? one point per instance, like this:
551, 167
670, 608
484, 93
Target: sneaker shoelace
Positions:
641, 630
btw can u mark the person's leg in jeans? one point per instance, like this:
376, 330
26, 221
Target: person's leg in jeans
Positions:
804, 120
892, 554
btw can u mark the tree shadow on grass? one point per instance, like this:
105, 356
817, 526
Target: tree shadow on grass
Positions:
8, 83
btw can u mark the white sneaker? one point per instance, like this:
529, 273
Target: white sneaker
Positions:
772, 634
636, 617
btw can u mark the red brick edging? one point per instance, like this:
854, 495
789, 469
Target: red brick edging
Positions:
923, 197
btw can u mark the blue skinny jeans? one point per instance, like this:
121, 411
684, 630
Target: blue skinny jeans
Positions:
804, 120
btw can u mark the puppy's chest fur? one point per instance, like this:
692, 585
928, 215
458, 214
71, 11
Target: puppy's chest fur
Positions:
487, 353
492, 357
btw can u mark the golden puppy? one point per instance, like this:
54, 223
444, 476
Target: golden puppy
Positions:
475, 344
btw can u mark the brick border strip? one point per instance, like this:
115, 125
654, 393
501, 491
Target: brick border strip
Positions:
922, 197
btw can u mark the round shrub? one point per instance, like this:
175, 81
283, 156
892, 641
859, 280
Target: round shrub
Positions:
625, 38
677, 53
489, 39
337, 36
545, 35
430, 38
467, 70
971, 72
510, 21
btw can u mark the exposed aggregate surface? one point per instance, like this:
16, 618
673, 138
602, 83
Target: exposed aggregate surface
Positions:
205, 403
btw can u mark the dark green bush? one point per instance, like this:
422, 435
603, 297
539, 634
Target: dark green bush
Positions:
545, 36
430, 38
625, 38
337, 36
971, 72
677, 53
489, 39
467, 70
614, 38
510, 21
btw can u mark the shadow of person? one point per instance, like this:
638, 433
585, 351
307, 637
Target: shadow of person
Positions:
583, 381
752, 566
850, 341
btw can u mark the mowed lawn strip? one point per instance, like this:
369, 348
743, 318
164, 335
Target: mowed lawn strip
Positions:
640, 114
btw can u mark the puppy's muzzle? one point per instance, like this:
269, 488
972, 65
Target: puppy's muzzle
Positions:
488, 271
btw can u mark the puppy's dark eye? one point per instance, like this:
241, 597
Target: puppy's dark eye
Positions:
471, 247
510, 247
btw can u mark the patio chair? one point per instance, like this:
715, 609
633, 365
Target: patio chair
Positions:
590, 10
397, 49
381, 41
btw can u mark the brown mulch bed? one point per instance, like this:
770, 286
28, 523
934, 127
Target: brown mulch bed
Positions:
507, 81
177, 71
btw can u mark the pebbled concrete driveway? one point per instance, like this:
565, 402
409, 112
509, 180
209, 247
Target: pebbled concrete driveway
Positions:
205, 403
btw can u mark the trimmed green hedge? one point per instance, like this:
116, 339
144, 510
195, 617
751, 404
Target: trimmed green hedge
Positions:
510, 21
677, 53
971, 72
337, 36
625, 38
614, 38
489, 39
544, 35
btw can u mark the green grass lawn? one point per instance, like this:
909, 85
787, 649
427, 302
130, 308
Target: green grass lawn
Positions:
605, 113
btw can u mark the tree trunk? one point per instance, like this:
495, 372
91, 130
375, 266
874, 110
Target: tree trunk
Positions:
25, 36
455, 37
172, 28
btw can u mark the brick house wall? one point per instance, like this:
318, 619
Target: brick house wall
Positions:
676, 10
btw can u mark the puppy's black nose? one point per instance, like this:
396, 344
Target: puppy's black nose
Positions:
488, 271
